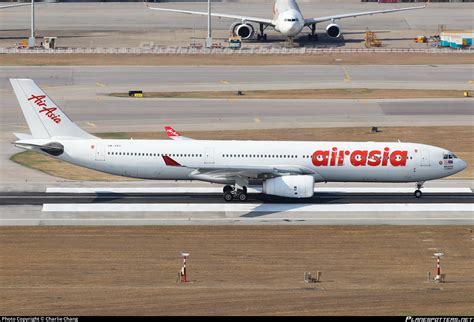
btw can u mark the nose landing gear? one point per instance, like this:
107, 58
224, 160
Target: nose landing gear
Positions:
230, 193
418, 192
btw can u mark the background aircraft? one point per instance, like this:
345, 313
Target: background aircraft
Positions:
287, 19
282, 168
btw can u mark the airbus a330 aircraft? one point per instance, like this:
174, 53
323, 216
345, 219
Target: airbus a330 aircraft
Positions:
287, 19
287, 169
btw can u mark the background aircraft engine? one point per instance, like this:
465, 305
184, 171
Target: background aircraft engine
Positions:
245, 31
333, 30
297, 186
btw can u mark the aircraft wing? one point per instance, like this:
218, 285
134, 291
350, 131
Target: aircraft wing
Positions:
15, 5
174, 135
310, 21
219, 15
230, 171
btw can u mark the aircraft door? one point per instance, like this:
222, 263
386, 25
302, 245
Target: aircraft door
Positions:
209, 155
424, 157
99, 148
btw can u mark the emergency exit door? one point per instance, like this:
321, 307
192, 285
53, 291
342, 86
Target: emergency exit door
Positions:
209, 155
99, 151
424, 157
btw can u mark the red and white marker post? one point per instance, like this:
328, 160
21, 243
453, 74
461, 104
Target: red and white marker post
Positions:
183, 269
438, 266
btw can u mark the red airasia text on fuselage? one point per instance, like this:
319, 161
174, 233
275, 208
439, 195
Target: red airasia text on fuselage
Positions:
359, 158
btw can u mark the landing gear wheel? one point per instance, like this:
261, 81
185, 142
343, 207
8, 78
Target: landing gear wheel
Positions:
259, 37
227, 189
418, 193
228, 196
242, 196
264, 37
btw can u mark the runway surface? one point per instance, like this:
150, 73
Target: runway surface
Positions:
334, 197
197, 206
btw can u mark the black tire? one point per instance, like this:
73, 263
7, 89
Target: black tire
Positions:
259, 37
264, 37
228, 196
227, 189
242, 196
418, 193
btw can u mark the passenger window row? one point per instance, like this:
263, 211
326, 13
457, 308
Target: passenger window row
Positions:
154, 154
280, 156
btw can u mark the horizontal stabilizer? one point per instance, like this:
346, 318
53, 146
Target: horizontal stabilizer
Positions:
23, 136
52, 148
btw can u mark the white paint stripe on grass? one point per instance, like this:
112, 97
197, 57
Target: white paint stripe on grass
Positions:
251, 190
247, 207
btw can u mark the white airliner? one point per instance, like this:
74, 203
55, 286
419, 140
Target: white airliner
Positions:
281, 168
287, 19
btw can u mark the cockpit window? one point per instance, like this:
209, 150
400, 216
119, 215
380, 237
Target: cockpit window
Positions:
448, 156
291, 19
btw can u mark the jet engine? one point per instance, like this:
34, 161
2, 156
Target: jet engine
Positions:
243, 30
297, 186
333, 30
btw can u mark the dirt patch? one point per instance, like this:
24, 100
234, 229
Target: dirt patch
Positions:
458, 139
366, 270
235, 59
349, 93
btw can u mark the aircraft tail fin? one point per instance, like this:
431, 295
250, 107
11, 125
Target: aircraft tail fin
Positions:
45, 119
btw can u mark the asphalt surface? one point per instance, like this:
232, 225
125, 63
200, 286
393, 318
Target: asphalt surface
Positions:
29, 198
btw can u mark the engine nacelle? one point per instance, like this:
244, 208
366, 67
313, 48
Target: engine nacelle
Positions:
243, 30
333, 30
297, 186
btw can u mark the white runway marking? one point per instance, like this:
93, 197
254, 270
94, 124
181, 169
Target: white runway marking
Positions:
248, 208
252, 190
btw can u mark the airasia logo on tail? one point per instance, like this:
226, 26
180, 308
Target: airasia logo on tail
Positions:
172, 132
359, 158
39, 101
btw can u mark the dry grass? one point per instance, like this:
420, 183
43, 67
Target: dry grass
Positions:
366, 270
458, 139
237, 59
349, 93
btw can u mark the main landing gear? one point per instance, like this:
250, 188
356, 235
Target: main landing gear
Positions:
231, 193
313, 36
418, 192
261, 35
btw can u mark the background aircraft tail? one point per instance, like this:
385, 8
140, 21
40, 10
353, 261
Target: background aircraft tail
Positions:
45, 119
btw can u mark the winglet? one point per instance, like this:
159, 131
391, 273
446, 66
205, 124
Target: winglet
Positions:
171, 132
170, 162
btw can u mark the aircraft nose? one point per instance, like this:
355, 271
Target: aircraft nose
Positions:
462, 164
